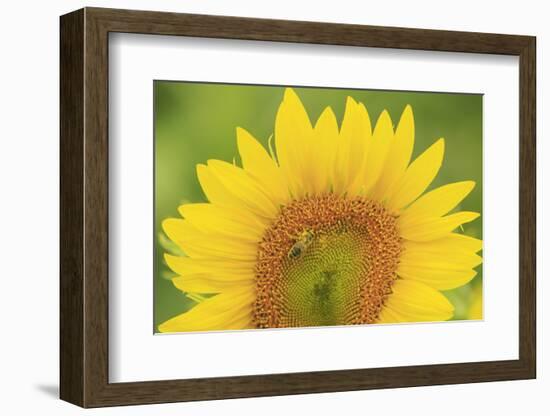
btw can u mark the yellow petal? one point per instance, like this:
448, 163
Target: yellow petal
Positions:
221, 312
217, 268
444, 263
442, 259
244, 188
382, 138
450, 243
293, 141
177, 230
238, 224
438, 278
201, 283
216, 191
436, 203
399, 156
353, 143
389, 316
246, 322
434, 228
261, 166
476, 308
326, 140
439, 266
217, 248
415, 302
195, 242
418, 177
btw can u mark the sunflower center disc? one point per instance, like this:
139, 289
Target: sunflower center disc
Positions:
320, 283
326, 260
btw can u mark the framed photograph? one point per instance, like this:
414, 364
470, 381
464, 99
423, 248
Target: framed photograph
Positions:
256, 207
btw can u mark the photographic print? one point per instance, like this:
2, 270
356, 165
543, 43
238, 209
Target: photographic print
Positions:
333, 196
292, 206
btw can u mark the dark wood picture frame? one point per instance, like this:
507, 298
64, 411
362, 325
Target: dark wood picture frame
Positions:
84, 207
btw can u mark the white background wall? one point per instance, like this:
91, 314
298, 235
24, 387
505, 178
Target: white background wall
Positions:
29, 84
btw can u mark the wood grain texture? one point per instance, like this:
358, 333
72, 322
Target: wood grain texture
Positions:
84, 207
527, 208
71, 100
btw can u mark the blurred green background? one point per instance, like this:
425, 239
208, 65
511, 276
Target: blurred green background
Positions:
195, 122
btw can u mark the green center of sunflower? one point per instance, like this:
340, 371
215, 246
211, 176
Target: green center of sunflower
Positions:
326, 260
321, 279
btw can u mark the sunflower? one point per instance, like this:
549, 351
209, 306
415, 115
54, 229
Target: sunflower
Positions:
331, 227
